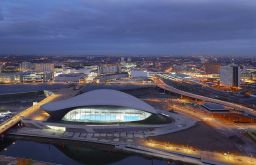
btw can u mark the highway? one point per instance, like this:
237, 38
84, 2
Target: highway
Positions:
161, 84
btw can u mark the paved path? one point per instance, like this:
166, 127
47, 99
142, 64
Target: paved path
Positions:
180, 122
122, 142
126, 143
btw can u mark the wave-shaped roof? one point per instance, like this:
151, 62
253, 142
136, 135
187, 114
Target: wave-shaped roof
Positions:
98, 97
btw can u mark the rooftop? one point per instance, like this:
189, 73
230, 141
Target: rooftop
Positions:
107, 97
214, 107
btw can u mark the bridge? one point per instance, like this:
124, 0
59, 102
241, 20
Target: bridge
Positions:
6, 125
161, 84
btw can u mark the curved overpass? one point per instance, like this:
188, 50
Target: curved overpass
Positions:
161, 84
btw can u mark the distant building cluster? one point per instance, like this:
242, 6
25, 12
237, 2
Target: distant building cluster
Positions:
70, 70
211, 71
29, 72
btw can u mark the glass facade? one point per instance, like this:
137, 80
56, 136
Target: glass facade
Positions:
105, 115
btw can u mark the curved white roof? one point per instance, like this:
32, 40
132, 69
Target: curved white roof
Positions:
100, 97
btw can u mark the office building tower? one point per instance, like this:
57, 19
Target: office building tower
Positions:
230, 75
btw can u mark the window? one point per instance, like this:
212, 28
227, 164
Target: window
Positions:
105, 114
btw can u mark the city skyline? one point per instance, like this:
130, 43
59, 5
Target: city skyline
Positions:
122, 82
128, 27
147, 106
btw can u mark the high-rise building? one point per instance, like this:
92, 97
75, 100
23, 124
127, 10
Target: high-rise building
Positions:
109, 69
9, 78
139, 73
26, 66
44, 67
27, 77
211, 68
203, 60
122, 60
230, 75
1, 67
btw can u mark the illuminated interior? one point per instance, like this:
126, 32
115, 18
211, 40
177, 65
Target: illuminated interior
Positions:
105, 114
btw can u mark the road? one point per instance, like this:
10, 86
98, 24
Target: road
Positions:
161, 84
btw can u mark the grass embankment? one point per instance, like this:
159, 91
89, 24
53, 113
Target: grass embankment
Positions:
252, 134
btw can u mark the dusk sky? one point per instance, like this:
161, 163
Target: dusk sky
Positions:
128, 27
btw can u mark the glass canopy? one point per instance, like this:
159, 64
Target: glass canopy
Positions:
105, 114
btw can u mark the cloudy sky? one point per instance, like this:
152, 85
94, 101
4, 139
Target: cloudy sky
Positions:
131, 27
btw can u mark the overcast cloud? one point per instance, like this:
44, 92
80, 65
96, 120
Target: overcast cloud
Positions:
222, 27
